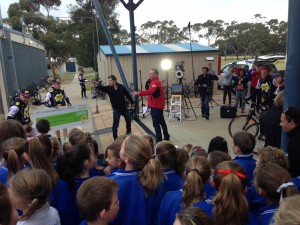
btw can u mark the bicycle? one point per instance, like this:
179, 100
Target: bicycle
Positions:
249, 123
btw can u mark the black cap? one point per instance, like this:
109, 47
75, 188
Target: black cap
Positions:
25, 93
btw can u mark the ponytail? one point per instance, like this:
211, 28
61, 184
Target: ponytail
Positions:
274, 181
231, 206
170, 157
197, 173
12, 151
138, 151
70, 164
33, 186
151, 176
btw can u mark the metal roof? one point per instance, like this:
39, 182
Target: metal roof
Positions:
20, 34
157, 48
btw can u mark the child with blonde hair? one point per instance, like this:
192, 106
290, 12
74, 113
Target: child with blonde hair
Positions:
140, 184
112, 155
12, 152
31, 188
197, 172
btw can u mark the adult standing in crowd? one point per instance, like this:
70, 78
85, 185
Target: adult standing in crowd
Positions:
156, 100
290, 123
56, 98
82, 81
227, 84
117, 93
19, 109
204, 83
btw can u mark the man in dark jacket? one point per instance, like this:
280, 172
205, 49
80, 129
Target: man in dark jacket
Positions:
204, 83
290, 123
19, 109
117, 93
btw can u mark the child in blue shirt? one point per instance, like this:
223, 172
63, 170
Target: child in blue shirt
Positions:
140, 184
12, 151
273, 183
172, 161
197, 173
73, 167
97, 201
243, 145
112, 155
229, 206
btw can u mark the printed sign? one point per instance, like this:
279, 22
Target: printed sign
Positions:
64, 116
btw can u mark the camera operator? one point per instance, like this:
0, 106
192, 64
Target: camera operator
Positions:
204, 83
117, 93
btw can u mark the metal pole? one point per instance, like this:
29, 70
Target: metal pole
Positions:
292, 80
110, 42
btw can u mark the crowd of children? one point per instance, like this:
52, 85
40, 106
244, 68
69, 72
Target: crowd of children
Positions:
138, 182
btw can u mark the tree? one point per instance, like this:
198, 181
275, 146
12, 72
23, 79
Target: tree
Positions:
212, 29
49, 4
83, 24
165, 32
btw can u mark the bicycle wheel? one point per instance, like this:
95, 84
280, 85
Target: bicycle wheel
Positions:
253, 129
241, 123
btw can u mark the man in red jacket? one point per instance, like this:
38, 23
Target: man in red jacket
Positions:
156, 101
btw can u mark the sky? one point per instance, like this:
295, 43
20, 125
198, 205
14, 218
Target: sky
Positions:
184, 11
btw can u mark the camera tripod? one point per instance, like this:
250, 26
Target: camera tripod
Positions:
187, 103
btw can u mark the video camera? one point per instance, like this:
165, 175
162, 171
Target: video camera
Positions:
97, 83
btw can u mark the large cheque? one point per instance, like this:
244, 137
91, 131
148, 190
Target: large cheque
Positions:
64, 116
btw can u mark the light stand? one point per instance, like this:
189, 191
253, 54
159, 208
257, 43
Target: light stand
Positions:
166, 64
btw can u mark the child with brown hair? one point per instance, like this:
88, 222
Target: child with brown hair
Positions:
199, 151
273, 183
140, 184
192, 216
12, 152
172, 161
8, 215
229, 206
97, 201
151, 141
31, 188
73, 167
243, 145
112, 155
197, 172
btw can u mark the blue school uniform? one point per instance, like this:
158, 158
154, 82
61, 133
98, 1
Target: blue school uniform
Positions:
74, 217
173, 180
136, 208
207, 206
60, 200
209, 190
3, 174
296, 181
249, 165
255, 201
83, 222
170, 205
113, 172
266, 214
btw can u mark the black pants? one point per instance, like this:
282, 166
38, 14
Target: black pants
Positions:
159, 121
227, 89
83, 90
116, 115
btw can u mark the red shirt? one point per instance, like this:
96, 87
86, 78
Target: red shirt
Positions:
255, 76
155, 102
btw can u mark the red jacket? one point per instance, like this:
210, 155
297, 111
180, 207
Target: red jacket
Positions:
155, 102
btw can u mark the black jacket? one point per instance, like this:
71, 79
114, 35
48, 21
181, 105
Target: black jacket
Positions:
205, 83
117, 96
293, 151
270, 126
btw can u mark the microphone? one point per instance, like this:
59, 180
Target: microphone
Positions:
189, 25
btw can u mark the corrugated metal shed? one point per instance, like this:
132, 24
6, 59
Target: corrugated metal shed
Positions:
22, 61
151, 56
